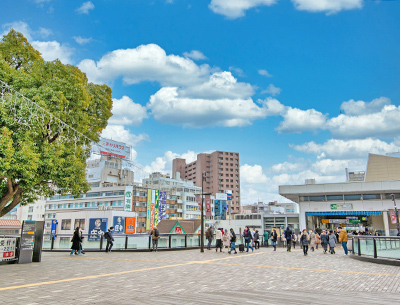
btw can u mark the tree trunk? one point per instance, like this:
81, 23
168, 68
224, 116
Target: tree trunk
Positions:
15, 194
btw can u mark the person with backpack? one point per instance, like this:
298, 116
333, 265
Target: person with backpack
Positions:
209, 236
324, 241
233, 241
266, 237
248, 238
274, 238
155, 236
288, 236
110, 239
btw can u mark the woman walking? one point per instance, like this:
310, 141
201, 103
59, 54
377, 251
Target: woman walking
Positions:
274, 238
76, 242
324, 241
332, 242
294, 240
304, 240
257, 240
226, 239
247, 238
218, 237
313, 240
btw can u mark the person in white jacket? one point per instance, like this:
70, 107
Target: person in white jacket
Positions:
218, 244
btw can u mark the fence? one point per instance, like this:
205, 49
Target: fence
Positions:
377, 246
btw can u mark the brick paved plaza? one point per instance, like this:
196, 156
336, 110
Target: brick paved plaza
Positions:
191, 277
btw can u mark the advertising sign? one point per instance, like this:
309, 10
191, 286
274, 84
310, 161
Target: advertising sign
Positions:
152, 209
130, 225
198, 199
208, 206
27, 241
97, 227
119, 224
178, 230
393, 217
148, 214
221, 196
156, 208
7, 248
128, 198
162, 205
114, 148
54, 224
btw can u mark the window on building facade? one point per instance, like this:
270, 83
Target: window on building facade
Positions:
371, 196
66, 224
334, 197
80, 223
352, 197
317, 198
30, 210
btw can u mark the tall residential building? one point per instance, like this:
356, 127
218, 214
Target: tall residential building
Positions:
222, 174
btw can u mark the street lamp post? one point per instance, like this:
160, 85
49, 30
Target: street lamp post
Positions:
397, 215
203, 177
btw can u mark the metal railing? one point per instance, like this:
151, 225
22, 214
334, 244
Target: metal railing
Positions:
387, 247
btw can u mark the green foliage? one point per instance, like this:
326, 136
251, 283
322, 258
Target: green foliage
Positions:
37, 159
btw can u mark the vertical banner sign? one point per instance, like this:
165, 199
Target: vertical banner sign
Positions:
7, 248
393, 217
27, 241
148, 214
130, 225
198, 199
128, 198
208, 205
156, 208
152, 210
119, 224
223, 210
97, 227
162, 205
54, 224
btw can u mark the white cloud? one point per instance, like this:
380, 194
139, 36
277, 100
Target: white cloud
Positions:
195, 55
236, 8
252, 174
164, 164
296, 120
328, 6
82, 40
237, 71
19, 26
145, 63
119, 133
44, 33
341, 149
52, 50
286, 167
264, 73
85, 8
271, 89
356, 108
126, 112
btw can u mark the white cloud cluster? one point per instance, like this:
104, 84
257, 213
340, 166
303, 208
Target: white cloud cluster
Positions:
82, 40
85, 8
296, 120
50, 50
264, 73
271, 89
164, 164
195, 55
236, 8
328, 6
126, 112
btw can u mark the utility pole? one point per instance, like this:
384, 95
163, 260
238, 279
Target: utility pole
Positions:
203, 178
397, 215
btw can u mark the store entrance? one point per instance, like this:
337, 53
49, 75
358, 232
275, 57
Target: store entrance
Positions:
357, 223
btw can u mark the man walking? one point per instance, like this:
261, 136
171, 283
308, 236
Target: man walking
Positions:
324, 241
233, 241
343, 239
209, 236
266, 237
288, 235
110, 239
155, 236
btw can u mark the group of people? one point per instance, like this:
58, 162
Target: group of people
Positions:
77, 238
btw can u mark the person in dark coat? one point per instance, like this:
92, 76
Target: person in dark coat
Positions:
288, 235
247, 238
76, 242
110, 239
274, 238
304, 241
256, 240
233, 241
324, 241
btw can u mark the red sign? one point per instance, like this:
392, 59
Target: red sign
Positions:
178, 230
130, 225
393, 217
208, 206
8, 254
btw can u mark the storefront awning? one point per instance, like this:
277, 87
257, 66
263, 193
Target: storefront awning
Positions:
363, 213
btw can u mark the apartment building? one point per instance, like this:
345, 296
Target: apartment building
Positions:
222, 174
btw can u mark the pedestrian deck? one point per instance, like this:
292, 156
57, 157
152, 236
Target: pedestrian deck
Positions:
191, 277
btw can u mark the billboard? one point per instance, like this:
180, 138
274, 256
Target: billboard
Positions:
130, 225
97, 227
152, 208
156, 208
148, 214
119, 224
208, 206
221, 196
162, 205
114, 148
7, 248
128, 198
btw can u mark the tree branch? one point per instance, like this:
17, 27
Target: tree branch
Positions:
9, 195
13, 204
53, 138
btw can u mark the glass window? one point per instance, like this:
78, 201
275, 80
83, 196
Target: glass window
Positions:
66, 224
371, 196
116, 193
352, 197
334, 197
293, 220
317, 198
80, 223
389, 196
95, 194
304, 198
30, 210
107, 193
280, 219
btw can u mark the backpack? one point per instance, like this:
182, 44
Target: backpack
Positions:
208, 233
156, 233
106, 235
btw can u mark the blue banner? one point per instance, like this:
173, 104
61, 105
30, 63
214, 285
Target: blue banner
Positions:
162, 206
119, 224
54, 224
97, 227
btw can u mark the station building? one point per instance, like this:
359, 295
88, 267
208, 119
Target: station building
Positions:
365, 204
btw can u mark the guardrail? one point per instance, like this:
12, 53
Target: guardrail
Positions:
387, 247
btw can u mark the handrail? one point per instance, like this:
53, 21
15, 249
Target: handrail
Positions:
384, 247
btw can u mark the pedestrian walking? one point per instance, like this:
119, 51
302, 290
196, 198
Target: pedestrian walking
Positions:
218, 244
266, 237
294, 240
209, 236
256, 240
313, 240
233, 241
252, 237
226, 239
318, 240
343, 239
324, 241
110, 239
304, 241
288, 236
155, 236
76, 242
332, 242
247, 239
274, 238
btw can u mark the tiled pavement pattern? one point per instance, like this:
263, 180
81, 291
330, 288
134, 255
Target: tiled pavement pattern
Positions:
191, 277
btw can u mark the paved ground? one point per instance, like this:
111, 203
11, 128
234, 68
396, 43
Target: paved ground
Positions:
191, 277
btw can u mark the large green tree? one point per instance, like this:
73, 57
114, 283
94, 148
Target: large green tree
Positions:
39, 155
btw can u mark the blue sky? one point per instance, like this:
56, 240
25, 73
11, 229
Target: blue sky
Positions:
301, 88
